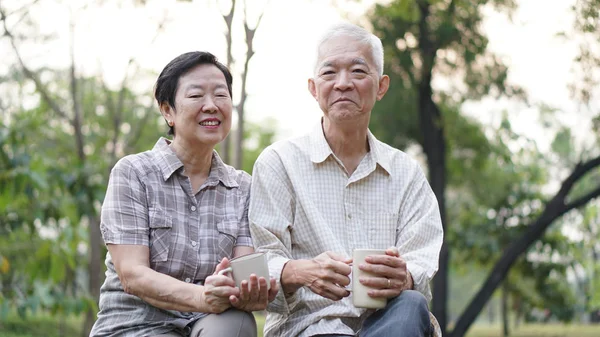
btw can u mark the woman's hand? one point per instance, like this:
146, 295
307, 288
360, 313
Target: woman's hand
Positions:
218, 289
254, 295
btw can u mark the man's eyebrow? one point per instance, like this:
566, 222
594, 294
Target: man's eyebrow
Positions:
359, 60
356, 60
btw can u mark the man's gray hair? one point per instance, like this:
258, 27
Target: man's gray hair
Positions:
359, 34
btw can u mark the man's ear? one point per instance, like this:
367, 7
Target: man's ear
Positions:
384, 85
312, 88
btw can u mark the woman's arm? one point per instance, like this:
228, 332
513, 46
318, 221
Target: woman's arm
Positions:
162, 291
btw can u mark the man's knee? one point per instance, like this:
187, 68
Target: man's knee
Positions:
231, 323
411, 299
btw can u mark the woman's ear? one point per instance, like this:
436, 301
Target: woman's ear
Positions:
168, 112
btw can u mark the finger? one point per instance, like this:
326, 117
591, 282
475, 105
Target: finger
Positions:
338, 257
379, 282
244, 291
392, 251
263, 294
329, 290
253, 287
274, 290
221, 265
388, 260
219, 280
384, 293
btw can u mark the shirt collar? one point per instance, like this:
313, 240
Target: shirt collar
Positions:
320, 149
169, 163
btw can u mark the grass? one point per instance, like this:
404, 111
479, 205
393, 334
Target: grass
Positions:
47, 326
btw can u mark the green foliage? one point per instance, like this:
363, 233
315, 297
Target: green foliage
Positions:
51, 187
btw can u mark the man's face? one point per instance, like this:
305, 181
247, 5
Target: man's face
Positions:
203, 107
346, 83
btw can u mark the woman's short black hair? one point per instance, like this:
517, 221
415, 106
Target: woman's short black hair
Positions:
166, 84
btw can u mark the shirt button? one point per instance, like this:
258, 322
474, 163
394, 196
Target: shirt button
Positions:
193, 208
188, 280
194, 243
349, 216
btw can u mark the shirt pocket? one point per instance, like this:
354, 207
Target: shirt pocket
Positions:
381, 229
228, 230
160, 236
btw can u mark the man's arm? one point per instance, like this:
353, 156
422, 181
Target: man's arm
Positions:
420, 237
272, 207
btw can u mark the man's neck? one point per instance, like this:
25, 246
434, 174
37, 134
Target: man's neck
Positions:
348, 143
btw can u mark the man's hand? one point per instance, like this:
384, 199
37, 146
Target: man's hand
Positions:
392, 276
254, 295
325, 275
218, 289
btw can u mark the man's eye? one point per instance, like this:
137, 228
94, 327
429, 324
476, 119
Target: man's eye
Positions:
361, 71
328, 72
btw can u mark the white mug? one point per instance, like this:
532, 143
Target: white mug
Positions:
360, 296
242, 266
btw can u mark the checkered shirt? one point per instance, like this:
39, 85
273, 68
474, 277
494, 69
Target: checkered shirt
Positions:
303, 203
149, 201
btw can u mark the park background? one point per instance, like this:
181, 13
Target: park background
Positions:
498, 99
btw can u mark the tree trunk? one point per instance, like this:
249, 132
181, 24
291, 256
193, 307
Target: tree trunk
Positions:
434, 146
95, 271
554, 209
504, 304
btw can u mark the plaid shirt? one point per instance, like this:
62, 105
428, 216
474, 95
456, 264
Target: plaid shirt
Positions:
303, 204
149, 201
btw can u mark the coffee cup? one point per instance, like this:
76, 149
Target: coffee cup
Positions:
241, 267
360, 296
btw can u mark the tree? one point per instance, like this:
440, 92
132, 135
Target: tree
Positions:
423, 38
96, 124
239, 135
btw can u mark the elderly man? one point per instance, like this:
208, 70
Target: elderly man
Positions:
316, 198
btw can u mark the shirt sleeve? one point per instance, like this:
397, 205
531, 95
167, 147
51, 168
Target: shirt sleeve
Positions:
124, 215
419, 238
271, 215
244, 238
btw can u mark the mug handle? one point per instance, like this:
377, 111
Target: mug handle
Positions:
224, 271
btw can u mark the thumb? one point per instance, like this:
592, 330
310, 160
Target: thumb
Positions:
392, 251
339, 257
222, 265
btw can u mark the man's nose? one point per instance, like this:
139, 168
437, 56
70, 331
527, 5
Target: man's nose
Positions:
343, 81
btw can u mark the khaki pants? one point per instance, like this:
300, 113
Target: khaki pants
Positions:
231, 323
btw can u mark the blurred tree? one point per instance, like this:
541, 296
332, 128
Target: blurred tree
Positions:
423, 37
86, 128
239, 134
426, 37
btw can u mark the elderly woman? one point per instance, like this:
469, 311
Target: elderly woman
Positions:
174, 216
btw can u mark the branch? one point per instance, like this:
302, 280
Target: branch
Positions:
30, 74
554, 209
228, 18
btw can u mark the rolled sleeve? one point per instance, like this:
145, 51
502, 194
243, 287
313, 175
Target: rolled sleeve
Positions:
124, 216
